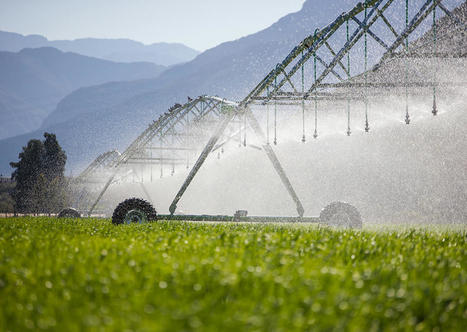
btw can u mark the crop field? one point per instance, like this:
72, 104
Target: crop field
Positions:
71, 275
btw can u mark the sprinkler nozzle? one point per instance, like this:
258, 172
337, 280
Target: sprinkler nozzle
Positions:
435, 109
407, 119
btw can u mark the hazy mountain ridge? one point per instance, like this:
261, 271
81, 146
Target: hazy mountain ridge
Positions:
118, 50
33, 81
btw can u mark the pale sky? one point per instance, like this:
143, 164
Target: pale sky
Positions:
200, 24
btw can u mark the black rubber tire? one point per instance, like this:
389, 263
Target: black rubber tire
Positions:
69, 213
340, 214
118, 216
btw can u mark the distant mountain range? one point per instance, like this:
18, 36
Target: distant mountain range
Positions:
118, 50
33, 81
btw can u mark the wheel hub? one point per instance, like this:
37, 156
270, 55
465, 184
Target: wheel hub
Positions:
135, 216
340, 219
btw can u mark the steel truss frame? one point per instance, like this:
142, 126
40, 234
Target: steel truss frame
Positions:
170, 141
285, 84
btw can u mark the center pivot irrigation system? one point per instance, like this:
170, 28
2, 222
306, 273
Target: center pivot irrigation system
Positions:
318, 69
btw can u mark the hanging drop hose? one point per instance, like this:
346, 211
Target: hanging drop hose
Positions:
239, 130
244, 129
267, 117
161, 161
173, 159
434, 110
367, 125
275, 110
303, 101
186, 140
315, 134
407, 116
348, 75
151, 164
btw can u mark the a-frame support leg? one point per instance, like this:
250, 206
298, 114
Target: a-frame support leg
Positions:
267, 148
275, 162
145, 191
207, 149
106, 186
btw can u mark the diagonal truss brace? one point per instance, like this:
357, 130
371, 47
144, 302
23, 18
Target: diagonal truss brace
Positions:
418, 18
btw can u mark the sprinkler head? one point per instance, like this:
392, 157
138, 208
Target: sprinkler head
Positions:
275, 141
407, 119
435, 110
348, 132
303, 139
222, 150
315, 135
367, 127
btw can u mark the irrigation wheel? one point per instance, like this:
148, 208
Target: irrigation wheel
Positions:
340, 214
69, 213
133, 210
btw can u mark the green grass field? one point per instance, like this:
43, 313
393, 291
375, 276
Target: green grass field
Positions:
72, 275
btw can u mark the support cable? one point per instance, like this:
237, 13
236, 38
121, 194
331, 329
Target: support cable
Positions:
303, 102
367, 125
407, 116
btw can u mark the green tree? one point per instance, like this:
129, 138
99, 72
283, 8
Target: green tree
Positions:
7, 204
54, 159
39, 176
